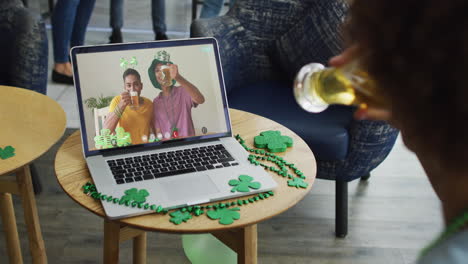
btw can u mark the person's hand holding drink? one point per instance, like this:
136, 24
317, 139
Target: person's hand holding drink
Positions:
344, 83
135, 100
129, 98
125, 100
169, 72
371, 112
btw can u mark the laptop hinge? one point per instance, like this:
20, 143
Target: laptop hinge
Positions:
136, 149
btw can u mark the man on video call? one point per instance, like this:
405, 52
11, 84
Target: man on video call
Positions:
173, 105
134, 116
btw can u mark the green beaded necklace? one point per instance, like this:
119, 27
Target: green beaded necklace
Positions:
456, 225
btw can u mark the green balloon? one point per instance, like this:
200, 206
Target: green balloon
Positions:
206, 249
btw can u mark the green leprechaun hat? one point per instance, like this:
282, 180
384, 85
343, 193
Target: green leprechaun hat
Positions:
162, 57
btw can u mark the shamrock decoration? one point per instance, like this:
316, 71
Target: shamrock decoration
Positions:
107, 140
153, 138
225, 215
178, 217
7, 152
123, 63
273, 141
123, 138
297, 182
133, 62
244, 184
135, 198
135, 195
104, 140
198, 211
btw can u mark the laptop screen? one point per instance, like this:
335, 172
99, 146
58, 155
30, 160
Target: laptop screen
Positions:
150, 93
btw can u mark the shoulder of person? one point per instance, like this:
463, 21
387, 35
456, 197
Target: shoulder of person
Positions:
158, 97
180, 89
147, 100
114, 102
116, 98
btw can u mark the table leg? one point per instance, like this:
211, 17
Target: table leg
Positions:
247, 253
111, 242
139, 249
9, 227
36, 243
243, 241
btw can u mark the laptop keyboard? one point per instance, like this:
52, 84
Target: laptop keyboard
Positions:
153, 166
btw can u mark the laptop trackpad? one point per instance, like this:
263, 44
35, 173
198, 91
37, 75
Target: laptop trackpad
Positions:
189, 187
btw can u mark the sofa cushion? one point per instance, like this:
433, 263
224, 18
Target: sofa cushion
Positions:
326, 133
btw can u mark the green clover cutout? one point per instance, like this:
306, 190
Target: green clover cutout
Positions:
135, 195
244, 184
273, 141
7, 152
133, 62
151, 140
104, 140
123, 63
225, 215
198, 211
297, 182
123, 138
178, 217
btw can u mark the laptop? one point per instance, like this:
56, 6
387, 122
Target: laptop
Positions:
174, 140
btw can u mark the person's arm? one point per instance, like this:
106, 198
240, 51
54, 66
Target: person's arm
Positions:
195, 94
113, 117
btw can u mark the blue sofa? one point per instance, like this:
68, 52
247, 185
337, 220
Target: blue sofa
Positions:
24, 54
263, 44
23, 47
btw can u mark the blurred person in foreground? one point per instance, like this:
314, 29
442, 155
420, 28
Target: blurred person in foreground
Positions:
417, 53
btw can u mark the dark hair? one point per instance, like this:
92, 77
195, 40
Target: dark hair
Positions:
418, 55
131, 71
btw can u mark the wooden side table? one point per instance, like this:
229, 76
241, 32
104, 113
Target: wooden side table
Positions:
31, 123
72, 173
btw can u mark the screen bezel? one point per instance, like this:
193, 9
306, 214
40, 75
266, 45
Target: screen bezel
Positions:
147, 45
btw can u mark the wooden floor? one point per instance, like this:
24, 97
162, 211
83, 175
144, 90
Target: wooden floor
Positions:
391, 217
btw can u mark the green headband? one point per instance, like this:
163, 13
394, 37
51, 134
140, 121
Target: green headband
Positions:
161, 57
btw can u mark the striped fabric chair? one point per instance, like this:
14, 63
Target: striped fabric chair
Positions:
23, 53
263, 44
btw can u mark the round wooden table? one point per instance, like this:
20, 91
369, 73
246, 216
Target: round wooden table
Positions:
31, 123
72, 173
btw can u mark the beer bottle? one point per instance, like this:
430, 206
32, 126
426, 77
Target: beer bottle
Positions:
316, 87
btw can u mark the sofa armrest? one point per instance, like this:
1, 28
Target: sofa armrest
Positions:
32, 53
28, 51
369, 145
